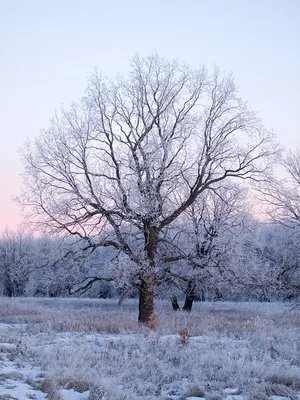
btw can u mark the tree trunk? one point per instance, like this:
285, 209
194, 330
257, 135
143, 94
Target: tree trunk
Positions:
218, 294
188, 303
189, 298
146, 302
9, 290
175, 304
202, 295
147, 290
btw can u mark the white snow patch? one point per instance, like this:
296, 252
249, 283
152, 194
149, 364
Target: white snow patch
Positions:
72, 395
236, 397
195, 398
279, 398
20, 390
231, 390
7, 347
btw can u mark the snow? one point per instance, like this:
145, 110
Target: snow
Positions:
16, 388
6, 347
72, 395
20, 390
231, 390
194, 398
279, 398
234, 396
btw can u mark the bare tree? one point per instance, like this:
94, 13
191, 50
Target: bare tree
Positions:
283, 199
265, 265
283, 195
49, 275
16, 260
125, 163
208, 236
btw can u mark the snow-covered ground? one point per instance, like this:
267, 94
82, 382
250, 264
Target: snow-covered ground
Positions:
80, 349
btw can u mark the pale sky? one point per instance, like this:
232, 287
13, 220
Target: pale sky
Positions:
48, 49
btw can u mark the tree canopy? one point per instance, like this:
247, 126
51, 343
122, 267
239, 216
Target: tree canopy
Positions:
122, 167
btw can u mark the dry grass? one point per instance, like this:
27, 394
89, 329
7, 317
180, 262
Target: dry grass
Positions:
264, 391
53, 387
14, 376
96, 345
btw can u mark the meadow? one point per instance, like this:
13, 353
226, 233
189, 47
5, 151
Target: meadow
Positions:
90, 349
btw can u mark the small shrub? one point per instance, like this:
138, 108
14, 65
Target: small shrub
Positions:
76, 384
284, 378
184, 336
48, 386
13, 340
195, 391
273, 351
265, 390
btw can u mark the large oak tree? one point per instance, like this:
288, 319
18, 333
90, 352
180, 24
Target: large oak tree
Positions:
120, 167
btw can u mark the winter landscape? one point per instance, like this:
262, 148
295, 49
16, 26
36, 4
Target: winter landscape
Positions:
150, 232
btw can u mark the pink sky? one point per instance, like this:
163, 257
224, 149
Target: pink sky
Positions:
48, 49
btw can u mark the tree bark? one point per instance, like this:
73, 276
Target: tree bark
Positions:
202, 295
147, 290
175, 304
189, 297
146, 302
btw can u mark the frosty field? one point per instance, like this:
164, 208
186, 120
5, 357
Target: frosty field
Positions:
84, 349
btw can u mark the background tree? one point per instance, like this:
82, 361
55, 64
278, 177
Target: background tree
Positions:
16, 260
29, 265
120, 168
265, 262
283, 195
283, 200
208, 237
49, 275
